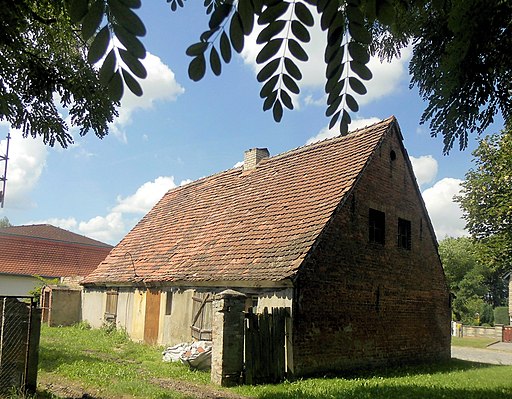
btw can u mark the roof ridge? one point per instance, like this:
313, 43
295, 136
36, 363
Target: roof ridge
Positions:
304, 147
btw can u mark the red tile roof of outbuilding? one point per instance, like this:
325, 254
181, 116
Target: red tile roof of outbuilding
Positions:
240, 225
48, 251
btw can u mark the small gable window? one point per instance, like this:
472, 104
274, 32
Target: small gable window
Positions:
377, 225
404, 234
168, 303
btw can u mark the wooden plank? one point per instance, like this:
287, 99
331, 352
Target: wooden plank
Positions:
152, 317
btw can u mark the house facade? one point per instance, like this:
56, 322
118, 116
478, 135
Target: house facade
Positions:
335, 231
42, 250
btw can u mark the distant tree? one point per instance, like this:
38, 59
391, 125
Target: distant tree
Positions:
4, 222
466, 276
486, 199
461, 63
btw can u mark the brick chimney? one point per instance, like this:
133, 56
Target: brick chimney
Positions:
253, 157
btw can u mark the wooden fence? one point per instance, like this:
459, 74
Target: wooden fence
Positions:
265, 346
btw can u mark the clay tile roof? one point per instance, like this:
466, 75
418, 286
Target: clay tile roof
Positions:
48, 251
233, 226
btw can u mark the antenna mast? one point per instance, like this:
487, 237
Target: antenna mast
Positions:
3, 179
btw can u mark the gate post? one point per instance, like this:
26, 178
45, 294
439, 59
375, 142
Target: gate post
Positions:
228, 338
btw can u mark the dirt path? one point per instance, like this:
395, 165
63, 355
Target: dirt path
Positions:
492, 355
66, 390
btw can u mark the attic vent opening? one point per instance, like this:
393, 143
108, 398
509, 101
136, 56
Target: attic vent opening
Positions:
254, 156
392, 155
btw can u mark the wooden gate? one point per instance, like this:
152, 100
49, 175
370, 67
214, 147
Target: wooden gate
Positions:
265, 346
507, 334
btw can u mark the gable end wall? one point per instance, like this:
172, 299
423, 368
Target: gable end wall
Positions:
361, 304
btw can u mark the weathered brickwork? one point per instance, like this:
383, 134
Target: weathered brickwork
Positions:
360, 304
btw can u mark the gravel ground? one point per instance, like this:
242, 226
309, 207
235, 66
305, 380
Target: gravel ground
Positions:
500, 353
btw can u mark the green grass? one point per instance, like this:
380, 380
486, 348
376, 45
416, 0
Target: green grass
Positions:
473, 342
109, 365
107, 362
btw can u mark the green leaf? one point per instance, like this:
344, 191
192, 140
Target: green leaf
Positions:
196, 49
225, 47
219, 15
292, 69
296, 50
361, 70
246, 13
335, 92
270, 31
359, 33
354, 15
370, 9
107, 68
358, 52
356, 85
257, 6
215, 61
269, 86
386, 12
277, 111
290, 84
115, 87
77, 10
273, 12
286, 99
236, 34
328, 15
268, 70
269, 50
92, 19
99, 45
132, 84
333, 51
197, 68
334, 64
351, 103
129, 41
336, 30
300, 31
132, 3
334, 119
269, 101
303, 14
136, 67
206, 35
345, 121
333, 81
331, 109
127, 18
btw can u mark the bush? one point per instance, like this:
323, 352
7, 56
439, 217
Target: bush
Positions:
487, 315
501, 315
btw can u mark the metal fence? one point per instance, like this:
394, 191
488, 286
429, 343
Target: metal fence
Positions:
19, 341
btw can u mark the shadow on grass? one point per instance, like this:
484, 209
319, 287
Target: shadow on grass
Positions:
394, 392
51, 358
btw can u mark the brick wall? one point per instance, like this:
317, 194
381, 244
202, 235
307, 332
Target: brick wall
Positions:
361, 304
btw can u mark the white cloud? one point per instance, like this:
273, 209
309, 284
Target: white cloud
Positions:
27, 160
386, 75
159, 85
425, 168
327, 133
145, 197
445, 214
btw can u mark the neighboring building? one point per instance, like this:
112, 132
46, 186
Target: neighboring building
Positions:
335, 231
45, 251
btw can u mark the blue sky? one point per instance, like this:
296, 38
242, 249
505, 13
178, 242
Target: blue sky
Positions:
181, 131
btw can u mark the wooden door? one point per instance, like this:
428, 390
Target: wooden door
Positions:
152, 316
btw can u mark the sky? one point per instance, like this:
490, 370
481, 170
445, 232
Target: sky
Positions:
180, 131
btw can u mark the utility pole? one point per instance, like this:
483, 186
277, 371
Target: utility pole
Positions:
3, 179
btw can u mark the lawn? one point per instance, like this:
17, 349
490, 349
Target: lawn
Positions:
106, 364
473, 342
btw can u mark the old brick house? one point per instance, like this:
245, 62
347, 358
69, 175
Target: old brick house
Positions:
336, 231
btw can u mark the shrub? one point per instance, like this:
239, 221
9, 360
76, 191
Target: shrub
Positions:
501, 315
